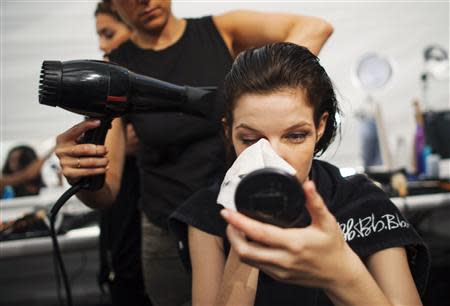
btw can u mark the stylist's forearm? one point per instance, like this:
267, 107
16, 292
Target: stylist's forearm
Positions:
104, 197
100, 199
310, 32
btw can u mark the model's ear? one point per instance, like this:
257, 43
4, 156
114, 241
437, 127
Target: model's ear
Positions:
322, 126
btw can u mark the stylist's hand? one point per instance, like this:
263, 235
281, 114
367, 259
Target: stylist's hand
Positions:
80, 160
316, 255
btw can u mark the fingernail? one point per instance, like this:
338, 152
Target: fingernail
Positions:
310, 185
225, 213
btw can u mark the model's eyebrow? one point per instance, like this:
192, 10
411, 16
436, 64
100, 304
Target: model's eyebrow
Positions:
293, 127
246, 126
298, 125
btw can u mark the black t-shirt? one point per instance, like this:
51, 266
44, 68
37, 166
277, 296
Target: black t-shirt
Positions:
370, 222
179, 153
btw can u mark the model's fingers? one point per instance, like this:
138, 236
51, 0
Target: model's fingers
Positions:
87, 149
254, 253
74, 133
257, 231
315, 205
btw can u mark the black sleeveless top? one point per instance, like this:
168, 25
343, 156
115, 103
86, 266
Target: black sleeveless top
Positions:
369, 221
179, 153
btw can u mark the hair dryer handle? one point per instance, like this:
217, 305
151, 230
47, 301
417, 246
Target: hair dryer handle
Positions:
95, 136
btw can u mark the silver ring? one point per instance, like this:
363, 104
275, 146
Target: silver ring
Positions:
78, 163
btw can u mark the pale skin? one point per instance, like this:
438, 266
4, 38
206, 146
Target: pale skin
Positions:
111, 32
155, 27
302, 256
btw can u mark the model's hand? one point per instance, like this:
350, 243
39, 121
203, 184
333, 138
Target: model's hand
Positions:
316, 255
80, 160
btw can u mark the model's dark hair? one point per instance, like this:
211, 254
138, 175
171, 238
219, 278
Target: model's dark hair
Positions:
105, 7
26, 157
281, 66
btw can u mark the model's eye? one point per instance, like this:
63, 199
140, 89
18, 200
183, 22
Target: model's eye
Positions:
109, 34
249, 141
296, 137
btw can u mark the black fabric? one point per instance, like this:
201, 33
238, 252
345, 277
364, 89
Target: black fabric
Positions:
369, 221
120, 241
127, 291
179, 153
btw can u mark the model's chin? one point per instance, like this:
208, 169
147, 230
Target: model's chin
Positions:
302, 177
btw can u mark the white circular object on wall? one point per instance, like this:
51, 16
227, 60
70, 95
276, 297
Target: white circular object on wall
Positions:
373, 71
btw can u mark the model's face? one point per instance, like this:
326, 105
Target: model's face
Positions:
144, 15
14, 160
111, 32
285, 119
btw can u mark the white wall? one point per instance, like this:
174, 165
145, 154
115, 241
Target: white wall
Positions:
33, 31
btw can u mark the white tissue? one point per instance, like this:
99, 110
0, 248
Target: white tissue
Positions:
257, 156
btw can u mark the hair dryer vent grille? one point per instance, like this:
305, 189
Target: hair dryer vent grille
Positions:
49, 83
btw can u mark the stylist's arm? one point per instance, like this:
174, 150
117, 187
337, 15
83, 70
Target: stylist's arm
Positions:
315, 256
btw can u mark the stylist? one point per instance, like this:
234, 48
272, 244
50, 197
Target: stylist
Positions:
178, 153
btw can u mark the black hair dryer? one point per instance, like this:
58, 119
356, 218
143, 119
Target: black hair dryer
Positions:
272, 195
105, 90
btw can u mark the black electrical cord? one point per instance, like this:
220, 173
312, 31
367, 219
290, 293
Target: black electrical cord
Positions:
58, 280
56, 251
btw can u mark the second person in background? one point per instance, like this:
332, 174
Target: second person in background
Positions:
178, 153
120, 233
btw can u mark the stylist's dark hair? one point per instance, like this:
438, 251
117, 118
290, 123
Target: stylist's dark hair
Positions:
280, 66
105, 7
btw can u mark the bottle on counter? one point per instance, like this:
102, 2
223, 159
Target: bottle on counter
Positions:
8, 192
419, 140
432, 166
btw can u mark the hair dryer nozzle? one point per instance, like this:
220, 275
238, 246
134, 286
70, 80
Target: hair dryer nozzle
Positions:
50, 83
